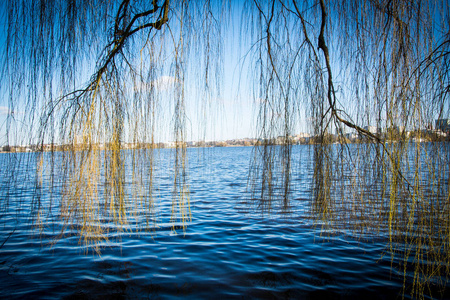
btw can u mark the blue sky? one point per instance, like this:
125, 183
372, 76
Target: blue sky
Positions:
225, 115
219, 115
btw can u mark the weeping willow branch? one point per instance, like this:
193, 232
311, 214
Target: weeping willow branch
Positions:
382, 63
377, 184
121, 36
331, 94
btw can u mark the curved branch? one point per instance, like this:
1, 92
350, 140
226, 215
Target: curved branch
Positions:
119, 40
331, 95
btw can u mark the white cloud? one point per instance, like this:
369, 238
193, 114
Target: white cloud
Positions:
165, 83
4, 110
161, 84
260, 100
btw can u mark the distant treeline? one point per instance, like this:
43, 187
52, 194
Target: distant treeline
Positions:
351, 138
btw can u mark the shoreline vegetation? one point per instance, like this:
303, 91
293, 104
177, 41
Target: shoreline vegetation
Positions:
299, 139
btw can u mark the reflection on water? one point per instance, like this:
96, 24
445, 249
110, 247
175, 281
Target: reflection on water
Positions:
224, 252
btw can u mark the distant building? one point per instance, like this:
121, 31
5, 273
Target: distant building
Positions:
351, 135
371, 129
303, 135
443, 125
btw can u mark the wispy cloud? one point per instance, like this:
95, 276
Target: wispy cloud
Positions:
4, 111
161, 84
165, 83
260, 100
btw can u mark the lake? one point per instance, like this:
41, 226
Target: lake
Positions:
229, 249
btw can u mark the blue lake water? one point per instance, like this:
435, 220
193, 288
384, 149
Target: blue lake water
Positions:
228, 250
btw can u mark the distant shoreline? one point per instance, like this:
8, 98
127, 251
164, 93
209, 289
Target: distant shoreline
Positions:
331, 139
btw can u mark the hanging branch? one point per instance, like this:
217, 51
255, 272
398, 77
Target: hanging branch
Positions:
120, 38
331, 94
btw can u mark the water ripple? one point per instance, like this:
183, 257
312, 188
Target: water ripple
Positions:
223, 253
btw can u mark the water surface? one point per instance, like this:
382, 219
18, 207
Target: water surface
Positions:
228, 250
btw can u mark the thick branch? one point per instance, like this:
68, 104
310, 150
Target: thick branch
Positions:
120, 43
331, 95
